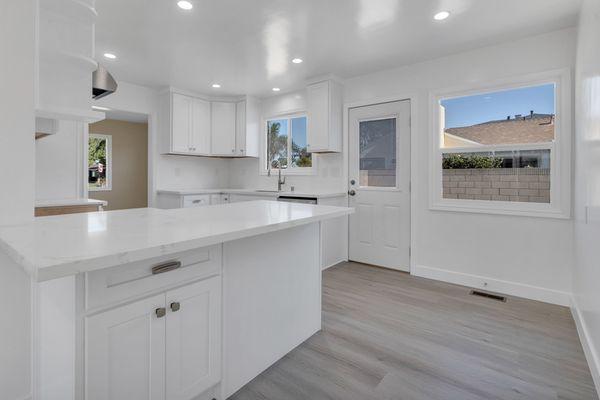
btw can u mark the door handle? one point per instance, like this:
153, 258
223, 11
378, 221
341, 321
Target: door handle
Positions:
160, 312
166, 267
175, 306
352, 192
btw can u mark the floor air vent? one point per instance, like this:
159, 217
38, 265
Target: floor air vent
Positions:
488, 295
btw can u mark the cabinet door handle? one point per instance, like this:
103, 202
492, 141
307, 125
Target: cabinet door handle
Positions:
160, 312
233, 150
175, 306
166, 267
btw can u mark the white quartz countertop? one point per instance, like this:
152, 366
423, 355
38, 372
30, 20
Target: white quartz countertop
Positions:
252, 192
59, 246
69, 202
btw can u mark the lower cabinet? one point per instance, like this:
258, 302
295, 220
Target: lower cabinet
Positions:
163, 347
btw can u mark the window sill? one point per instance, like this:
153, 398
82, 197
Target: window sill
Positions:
291, 172
501, 208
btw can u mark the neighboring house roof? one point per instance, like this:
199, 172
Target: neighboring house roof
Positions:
534, 128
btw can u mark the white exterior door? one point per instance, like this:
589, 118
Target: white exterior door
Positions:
379, 174
125, 352
193, 339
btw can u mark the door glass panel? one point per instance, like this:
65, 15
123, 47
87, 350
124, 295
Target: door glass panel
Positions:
377, 154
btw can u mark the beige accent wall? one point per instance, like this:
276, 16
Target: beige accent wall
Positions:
129, 164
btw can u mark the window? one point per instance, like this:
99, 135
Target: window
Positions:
286, 145
377, 144
503, 149
99, 162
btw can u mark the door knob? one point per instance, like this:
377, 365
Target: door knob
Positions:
175, 306
160, 312
352, 192
352, 182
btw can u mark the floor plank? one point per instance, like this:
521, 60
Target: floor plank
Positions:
391, 336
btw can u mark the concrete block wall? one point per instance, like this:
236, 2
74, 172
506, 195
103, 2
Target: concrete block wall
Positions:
499, 184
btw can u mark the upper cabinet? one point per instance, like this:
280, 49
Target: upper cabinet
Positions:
247, 127
324, 134
223, 115
190, 125
65, 59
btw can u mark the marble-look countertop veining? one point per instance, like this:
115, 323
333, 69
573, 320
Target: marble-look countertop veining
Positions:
59, 246
253, 192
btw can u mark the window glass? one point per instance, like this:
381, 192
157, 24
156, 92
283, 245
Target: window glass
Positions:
378, 153
99, 162
300, 157
287, 144
497, 146
277, 138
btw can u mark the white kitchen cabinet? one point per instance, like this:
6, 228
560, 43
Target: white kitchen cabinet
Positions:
168, 343
185, 124
125, 352
193, 340
247, 127
196, 200
324, 134
223, 121
238, 198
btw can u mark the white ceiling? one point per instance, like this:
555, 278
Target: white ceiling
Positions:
247, 45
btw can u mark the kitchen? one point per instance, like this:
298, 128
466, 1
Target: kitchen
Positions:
373, 199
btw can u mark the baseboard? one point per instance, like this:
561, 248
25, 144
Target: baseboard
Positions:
591, 353
334, 264
495, 285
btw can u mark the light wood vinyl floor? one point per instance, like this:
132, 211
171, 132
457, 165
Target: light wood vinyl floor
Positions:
391, 336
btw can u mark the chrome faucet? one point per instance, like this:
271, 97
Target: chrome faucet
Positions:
280, 182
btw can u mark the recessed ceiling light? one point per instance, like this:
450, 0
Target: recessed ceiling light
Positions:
442, 15
216, 85
297, 60
185, 5
110, 56
276, 89
101, 108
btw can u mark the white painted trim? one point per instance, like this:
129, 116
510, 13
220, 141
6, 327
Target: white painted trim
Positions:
413, 184
494, 285
591, 352
560, 206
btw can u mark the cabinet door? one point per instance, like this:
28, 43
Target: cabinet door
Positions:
318, 116
223, 128
240, 128
193, 339
181, 120
200, 137
125, 352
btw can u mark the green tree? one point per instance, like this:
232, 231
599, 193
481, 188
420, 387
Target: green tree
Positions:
97, 151
276, 146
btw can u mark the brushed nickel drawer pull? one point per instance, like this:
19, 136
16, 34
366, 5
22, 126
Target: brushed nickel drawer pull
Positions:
175, 306
160, 312
166, 267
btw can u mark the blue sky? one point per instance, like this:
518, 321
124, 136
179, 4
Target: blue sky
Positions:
299, 131
471, 110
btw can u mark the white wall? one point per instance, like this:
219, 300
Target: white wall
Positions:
17, 47
245, 172
59, 166
586, 277
514, 254
166, 171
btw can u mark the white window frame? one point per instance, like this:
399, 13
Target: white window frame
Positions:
108, 186
560, 149
263, 147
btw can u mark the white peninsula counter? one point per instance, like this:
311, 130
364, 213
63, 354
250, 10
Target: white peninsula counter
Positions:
174, 304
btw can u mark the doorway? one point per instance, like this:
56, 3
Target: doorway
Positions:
379, 184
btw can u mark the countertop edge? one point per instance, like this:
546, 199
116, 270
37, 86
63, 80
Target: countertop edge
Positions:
108, 261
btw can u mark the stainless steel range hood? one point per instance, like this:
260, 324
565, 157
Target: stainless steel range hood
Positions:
103, 83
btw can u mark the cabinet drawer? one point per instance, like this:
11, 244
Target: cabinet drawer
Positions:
128, 281
196, 200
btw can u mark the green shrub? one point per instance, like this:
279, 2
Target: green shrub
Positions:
459, 161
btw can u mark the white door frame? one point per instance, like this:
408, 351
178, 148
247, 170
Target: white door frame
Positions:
412, 97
